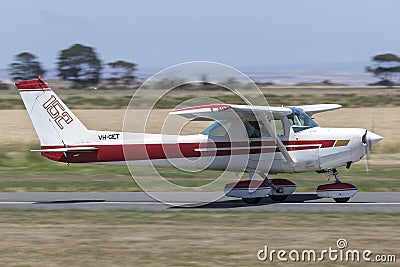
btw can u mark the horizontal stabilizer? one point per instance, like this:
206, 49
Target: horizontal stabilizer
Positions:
67, 149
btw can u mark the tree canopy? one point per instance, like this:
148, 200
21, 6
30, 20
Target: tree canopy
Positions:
79, 64
122, 72
386, 58
386, 67
25, 66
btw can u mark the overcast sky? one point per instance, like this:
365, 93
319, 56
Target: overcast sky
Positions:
244, 34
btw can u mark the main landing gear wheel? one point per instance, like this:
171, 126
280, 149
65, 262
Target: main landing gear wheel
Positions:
253, 200
250, 191
342, 199
280, 189
278, 198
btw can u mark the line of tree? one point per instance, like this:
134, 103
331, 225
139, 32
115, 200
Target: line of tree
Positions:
25, 66
81, 65
78, 64
386, 67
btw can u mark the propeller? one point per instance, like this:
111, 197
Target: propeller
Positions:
366, 146
368, 139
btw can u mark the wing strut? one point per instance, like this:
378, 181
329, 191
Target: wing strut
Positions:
278, 141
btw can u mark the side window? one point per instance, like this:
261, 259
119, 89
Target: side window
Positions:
255, 129
218, 128
252, 129
280, 131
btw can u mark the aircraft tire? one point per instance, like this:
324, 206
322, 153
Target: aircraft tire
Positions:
278, 198
342, 199
253, 200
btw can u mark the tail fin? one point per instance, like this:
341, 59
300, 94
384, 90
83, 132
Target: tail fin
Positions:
54, 123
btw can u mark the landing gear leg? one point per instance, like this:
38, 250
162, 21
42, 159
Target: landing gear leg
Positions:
335, 174
275, 198
280, 188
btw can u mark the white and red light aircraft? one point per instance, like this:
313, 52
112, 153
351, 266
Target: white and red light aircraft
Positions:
295, 143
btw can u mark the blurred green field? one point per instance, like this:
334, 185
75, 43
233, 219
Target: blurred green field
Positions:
276, 96
22, 170
186, 238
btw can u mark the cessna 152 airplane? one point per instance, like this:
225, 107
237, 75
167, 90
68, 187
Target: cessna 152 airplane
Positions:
289, 134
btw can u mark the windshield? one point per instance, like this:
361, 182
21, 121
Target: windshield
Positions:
299, 120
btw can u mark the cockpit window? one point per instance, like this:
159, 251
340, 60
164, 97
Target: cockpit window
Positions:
299, 120
255, 129
218, 128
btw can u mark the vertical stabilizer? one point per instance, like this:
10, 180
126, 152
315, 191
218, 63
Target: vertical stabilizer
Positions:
54, 122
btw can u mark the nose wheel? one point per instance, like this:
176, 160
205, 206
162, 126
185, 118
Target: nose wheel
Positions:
340, 192
341, 200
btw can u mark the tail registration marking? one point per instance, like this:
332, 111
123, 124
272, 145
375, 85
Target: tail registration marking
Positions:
57, 112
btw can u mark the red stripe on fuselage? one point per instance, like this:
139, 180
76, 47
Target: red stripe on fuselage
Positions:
109, 153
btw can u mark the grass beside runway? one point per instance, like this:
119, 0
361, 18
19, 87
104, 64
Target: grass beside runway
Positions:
21, 170
184, 238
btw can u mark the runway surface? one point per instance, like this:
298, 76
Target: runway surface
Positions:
362, 202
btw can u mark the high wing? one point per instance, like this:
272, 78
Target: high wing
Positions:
227, 111
312, 109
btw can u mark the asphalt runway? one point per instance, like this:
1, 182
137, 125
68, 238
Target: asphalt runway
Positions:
97, 201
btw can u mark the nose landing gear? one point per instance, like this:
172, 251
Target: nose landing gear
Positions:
340, 192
